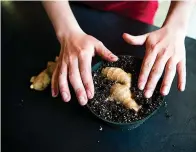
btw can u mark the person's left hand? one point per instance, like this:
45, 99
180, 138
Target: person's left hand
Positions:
165, 49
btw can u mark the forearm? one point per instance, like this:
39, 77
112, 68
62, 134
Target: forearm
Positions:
61, 17
178, 15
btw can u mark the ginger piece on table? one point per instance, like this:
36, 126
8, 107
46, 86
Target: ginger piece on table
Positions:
41, 81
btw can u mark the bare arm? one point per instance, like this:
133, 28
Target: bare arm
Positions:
61, 17
77, 50
178, 14
165, 49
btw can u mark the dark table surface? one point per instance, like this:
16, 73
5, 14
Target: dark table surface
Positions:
36, 122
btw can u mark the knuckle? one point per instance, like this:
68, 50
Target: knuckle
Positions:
178, 55
164, 51
100, 43
152, 81
71, 76
151, 51
104, 53
79, 91
166, 84
147, 64
64, 57
82, 53
153, 45
175, 52
156, 71
151, 42
155, 48
86, 85
62, 88
149, 86
142, 78
81, 48
61, 72
62, 79
160, 57
71, 58
84, 73
174, 59
109, 54
90, 38
170, 68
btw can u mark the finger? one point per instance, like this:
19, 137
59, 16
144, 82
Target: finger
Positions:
76, 82
155, 74
63, 83
102, 51
161, 59
55, 75
148, 61
135, 40
85, 72
170, 71
54, 82
181, 70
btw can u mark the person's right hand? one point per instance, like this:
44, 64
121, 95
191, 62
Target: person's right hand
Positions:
74, 64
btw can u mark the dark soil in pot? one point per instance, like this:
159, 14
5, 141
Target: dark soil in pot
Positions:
117, 113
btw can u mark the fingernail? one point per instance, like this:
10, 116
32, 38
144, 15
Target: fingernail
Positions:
89, 94
65, 96
148, 93
53, 93
182, 87
141, 86
165, 90
82, 100
113, 57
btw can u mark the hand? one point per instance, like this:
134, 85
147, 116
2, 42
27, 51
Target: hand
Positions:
164, 50
74, 63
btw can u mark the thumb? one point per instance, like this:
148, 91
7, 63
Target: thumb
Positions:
102, 51
135, 40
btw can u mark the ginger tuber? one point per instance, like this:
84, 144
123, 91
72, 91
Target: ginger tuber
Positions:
51, 67
122, 94
118, 75
42, 81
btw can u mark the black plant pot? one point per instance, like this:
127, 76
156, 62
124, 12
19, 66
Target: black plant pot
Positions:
129, 125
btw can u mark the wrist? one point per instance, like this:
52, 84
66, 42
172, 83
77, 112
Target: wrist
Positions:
64, 33
176, 29
178, 16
